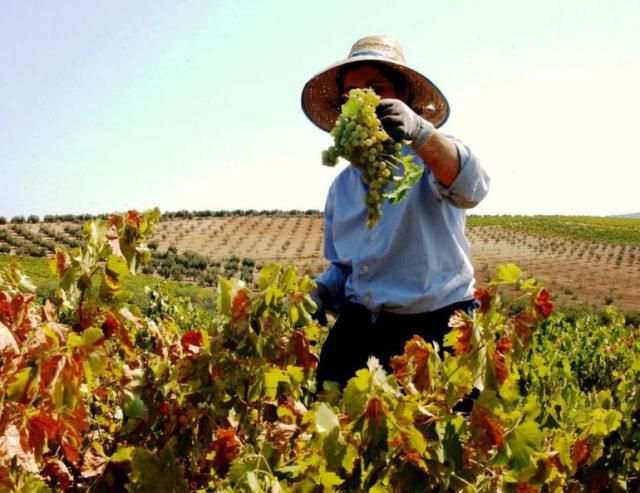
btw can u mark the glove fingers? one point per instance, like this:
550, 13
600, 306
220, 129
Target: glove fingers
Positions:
388, 102
392, 121
394, 127
381, 111
386, 107
396, 134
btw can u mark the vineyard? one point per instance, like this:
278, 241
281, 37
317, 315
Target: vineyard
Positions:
103, 394
586, 262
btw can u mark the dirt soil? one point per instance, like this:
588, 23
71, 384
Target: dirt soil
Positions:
580, 274
577, 273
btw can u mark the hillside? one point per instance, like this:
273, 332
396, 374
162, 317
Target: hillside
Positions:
585, 261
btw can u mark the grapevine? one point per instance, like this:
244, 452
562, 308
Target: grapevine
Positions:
360, 139
98, 394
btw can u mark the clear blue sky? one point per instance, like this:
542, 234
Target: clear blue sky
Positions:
110, 105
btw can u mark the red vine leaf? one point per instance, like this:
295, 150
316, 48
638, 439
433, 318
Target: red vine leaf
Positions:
376, 410
464, 325
524, 323
543, 304
16, 315
500, 367
279, 434
58, 473
581, 451
165, 409
62, 263
498, 357
413, 365
191, 342
133, 219
71, 427
41, 426
15, 445
304, 357
94, 463
226, 446
112, 325
484, 296
527, 488
50, 370
488, 433
240, 306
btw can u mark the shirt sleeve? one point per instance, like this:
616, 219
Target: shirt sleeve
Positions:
335, 276
470, 186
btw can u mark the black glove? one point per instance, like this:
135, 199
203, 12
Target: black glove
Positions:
402, 123
320, 295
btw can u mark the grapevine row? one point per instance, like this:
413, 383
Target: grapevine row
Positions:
100, 394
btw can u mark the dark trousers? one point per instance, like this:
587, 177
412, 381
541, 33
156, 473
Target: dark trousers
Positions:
356, 335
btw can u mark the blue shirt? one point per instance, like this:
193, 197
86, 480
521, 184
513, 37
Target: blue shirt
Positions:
416, 259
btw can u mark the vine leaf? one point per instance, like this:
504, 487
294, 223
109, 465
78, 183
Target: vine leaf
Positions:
402, 184
523, 441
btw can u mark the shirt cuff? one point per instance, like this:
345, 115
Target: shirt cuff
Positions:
469, 187
334, 279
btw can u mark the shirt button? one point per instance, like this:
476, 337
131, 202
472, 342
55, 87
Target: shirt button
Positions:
365, 268
367, 299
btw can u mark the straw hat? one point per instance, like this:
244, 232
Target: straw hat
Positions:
321, 96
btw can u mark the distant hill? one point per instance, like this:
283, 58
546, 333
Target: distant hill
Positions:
635, 215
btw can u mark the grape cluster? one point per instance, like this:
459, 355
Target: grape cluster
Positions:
359, 138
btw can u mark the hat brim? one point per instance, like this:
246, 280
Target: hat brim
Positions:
321, 98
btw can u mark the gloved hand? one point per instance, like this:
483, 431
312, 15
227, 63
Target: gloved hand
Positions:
320, 295
402, 123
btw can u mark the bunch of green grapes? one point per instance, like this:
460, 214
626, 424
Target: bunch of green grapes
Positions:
359, 138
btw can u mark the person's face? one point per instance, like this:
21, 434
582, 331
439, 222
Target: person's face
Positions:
369, 76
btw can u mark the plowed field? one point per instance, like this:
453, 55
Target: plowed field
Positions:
580, 273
